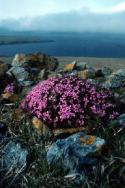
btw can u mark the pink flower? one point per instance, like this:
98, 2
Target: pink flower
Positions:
68, 101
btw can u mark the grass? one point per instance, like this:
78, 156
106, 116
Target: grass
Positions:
109, 173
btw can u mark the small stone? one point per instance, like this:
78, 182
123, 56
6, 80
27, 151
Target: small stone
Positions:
70, 67
81, 66
3, 68
27, 83
17, 115
120, 121
10, 97
86, 74
42, 74
59, 132
106, 71
38, 124
77, 178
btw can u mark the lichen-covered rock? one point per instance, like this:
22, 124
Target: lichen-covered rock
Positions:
75, 152
15, 156
115, 80
12, 97
37, 60
86, 74
70, 67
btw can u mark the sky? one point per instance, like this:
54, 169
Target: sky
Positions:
63, 15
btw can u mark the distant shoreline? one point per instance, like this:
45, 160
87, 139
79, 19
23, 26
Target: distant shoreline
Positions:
25, 42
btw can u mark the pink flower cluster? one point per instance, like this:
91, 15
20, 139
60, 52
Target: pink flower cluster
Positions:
9, 88
68, 102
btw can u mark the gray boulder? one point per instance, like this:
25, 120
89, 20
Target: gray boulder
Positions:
106, 71
37, 60
75, 152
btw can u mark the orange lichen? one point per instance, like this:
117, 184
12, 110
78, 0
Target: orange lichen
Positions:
90, 140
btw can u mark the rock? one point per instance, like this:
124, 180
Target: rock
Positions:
81, 66
59, 132
3, 131
77, 178
19, 60
15, 156
37, 60
99, 73
17, 115
25, 90
106, 71
73, 73
86, 74
3, 68
42, 75
120, 121
115, 80
75, 152
38, 124
5, 80
34, 71
93, 81
27, 83
12, 97
20, 73
70, 67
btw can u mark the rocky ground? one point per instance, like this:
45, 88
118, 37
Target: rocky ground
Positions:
113, 63
33, 155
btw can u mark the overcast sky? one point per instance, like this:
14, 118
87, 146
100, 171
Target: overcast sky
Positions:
65, 15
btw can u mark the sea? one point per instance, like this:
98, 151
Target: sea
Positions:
78, 44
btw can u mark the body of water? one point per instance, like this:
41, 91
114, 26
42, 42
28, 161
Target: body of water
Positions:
71, 44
